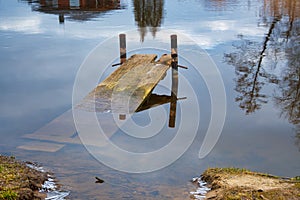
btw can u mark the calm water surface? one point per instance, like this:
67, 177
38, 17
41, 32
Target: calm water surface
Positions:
255, 45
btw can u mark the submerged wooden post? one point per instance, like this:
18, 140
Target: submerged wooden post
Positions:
122, 38
123, 55
174, 50
173, 105
122, 116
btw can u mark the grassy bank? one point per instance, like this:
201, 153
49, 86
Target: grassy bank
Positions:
235, 183
18, 181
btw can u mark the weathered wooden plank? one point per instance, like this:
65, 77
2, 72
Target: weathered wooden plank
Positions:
173, 105
62, 131
128, 87
41, 146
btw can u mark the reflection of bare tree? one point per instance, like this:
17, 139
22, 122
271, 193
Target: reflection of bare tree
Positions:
250, 73
288, 97
148, 13
248, 83
275, 60
254, 62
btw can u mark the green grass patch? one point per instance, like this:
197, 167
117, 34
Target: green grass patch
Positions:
296, 178
297, 185
8, 195
237, 171
228, 170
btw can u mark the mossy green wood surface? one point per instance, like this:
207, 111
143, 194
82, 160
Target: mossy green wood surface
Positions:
127, 87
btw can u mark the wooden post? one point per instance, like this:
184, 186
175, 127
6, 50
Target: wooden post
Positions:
173, 104
123, 56
174, 50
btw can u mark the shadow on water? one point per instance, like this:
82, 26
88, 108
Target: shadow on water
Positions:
130, 88
273, 61
156, 100
78, 10
101, 100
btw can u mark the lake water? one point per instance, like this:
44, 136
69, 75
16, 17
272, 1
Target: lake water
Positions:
255, 46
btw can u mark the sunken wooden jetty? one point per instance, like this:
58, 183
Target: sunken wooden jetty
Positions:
129, 88
125, 90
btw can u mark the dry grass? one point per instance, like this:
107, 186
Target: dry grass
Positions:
236, 183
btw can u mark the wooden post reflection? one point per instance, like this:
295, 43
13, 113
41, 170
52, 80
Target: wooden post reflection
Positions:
173, 104
61, 18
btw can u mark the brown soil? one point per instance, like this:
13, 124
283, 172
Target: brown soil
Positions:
234, 183
18, 181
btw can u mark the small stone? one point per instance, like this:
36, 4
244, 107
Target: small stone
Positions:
99, 180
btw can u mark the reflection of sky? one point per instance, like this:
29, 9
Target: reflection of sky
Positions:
33, 85
27, 25
40, 57
206, 28
209, 29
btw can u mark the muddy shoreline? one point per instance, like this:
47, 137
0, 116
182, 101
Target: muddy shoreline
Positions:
235, 183
19, 181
